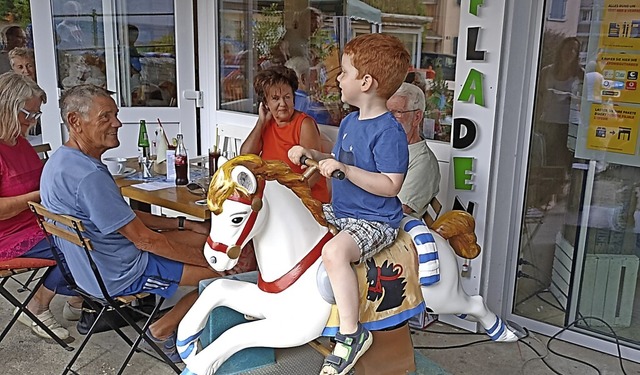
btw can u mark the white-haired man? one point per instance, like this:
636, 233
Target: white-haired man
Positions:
422, 181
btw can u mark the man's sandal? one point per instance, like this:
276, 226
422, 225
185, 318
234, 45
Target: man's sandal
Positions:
348, 349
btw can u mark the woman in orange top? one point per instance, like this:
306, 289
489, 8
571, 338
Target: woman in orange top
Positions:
280, 126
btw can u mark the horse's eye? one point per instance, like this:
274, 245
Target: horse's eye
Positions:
236, 220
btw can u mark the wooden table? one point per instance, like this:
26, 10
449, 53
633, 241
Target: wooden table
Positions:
177, 198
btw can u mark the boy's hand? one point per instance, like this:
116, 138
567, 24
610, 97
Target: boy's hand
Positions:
330, 165
296, 152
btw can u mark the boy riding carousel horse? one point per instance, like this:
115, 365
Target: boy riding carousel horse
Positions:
372, 152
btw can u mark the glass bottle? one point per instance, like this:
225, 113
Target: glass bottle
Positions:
181, 162
143, 141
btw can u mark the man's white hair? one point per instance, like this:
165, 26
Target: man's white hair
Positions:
300, 65
414, 95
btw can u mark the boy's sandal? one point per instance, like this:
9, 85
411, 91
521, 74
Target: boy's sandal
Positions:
348, 349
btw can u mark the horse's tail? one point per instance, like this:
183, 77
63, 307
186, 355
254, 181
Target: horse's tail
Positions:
458, 227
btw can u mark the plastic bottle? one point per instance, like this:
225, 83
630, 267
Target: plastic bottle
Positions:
181, 162
143, 141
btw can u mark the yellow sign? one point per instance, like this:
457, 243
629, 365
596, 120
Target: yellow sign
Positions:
619, 77
620, 25
613, 128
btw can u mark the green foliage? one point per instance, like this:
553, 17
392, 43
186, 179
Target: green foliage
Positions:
268, 29
322, 44
164, 44
411, 7
17, 11
438, 93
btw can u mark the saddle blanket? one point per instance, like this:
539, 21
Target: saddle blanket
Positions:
390, 284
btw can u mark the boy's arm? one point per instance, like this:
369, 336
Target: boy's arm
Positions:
296, 152
382, 184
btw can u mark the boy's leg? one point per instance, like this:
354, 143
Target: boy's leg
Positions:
352, 340
337, 256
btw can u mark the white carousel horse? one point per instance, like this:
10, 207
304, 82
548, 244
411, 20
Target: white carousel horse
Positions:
288, 304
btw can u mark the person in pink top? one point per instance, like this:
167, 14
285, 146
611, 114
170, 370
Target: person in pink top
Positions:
20, 170
280, 126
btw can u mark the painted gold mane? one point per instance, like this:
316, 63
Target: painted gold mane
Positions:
222, 187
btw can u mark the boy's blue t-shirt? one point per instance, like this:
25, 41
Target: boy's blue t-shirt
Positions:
376, 145
79, 185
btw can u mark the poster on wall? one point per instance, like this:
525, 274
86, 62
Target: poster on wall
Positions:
620, 28
613, 129
619, 77
610, 105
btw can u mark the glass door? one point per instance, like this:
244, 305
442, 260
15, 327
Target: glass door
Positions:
580, 238
142, 51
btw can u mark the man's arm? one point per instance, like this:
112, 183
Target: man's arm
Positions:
162, 223
157, 243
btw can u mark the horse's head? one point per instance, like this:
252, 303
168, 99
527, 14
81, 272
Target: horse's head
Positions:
235, 199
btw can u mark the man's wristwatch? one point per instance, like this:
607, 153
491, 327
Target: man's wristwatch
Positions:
181, 220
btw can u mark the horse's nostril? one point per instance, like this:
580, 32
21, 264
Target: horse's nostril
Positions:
213, 260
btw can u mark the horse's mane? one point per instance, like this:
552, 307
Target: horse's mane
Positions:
222, 187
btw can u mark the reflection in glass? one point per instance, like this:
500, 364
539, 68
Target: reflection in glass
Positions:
297, 34
579, 246
144, 57
79, 38
147, 53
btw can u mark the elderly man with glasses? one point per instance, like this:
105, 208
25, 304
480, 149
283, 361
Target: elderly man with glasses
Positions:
422, 181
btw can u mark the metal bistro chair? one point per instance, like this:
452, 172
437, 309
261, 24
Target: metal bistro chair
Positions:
432, 213
43, 151
71, 229
30, 266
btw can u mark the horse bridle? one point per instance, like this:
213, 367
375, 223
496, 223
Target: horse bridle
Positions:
233, 251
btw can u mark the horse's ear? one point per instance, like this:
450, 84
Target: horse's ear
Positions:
243, 177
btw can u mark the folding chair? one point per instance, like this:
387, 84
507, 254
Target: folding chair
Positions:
432, 213
30, 267
71, 229
43, 151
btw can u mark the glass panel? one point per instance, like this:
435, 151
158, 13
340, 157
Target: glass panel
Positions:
16, 50
308, 36
144, 59
146, 53
79, 36
255, 38
580, 239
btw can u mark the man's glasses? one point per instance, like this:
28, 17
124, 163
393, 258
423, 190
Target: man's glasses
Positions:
398, 113
31, 115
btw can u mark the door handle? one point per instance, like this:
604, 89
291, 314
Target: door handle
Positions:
194, 95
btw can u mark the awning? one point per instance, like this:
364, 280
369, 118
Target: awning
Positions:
358, 10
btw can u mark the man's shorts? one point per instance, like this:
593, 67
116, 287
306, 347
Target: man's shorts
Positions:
371, 236
162, 277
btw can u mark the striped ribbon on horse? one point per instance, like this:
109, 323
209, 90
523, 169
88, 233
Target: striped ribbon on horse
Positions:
428, 263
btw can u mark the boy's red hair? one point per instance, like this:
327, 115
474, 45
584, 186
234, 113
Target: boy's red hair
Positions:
383, 57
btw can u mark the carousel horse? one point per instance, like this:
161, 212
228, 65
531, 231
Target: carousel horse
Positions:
263, 200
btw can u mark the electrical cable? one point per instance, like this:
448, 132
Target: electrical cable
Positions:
454, 346
583, 319
539, 355
542, 357
527, 276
